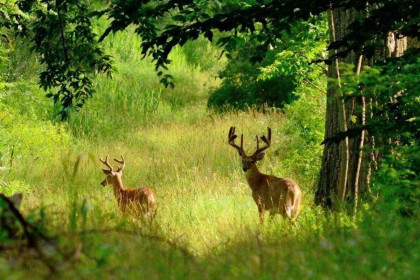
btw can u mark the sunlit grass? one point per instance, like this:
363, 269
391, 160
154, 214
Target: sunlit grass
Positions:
175, 146
204, 202
197, 178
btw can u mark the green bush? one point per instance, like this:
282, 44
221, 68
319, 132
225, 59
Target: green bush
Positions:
205, 55
302, 132
26, 129
273, 92
398, 182
241, 87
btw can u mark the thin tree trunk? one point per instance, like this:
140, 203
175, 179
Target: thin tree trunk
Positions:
361, 145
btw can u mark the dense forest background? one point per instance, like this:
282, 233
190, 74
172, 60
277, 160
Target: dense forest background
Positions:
161, 82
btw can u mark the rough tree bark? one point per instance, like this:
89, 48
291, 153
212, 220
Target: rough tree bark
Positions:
346, 166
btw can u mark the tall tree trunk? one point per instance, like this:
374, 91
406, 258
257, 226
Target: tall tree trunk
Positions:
345, 172
333, 183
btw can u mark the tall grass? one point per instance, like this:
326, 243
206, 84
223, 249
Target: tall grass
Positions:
135, 97
207, 222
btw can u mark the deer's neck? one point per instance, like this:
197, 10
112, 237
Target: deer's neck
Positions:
118, 187
253, 176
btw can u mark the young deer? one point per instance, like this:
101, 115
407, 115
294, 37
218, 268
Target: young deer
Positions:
278, 195
134, 201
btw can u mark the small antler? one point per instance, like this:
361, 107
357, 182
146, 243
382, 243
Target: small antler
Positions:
266, 140
231, 140
107, 163
258, 142
122, 162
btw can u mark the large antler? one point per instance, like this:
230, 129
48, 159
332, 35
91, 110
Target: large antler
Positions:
231, 140
265, 140
107, 163
122, 162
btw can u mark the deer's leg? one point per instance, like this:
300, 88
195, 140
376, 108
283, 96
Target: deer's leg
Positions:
124, 208
261, 210
260, 205
261, 215
122, 204
151, 212
288, 204
288, 210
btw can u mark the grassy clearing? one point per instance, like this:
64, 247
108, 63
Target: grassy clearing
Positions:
203, 200
178, 148
195, 174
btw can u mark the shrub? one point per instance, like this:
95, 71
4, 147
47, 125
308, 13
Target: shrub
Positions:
241, 87
273, 92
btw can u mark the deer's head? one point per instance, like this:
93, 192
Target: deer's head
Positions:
249, 161
112, 175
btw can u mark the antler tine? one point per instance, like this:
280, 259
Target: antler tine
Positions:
231, 131
266, 141
107, 163
122, 162
258, 142
242, 142
231, 135
231, 140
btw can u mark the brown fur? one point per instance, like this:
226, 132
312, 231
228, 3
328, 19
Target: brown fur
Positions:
132, 201
270, 193
278, 195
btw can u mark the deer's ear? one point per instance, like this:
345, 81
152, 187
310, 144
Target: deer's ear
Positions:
260, 156
107, 172
16, 199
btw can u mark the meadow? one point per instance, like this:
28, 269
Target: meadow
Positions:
206, 225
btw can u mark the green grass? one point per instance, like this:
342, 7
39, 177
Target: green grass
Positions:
179, 149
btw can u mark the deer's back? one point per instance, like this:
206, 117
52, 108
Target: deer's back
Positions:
142, 197
148, 196
272, 191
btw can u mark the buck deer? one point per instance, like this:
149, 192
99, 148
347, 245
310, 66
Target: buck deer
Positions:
134, 201
278, 195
